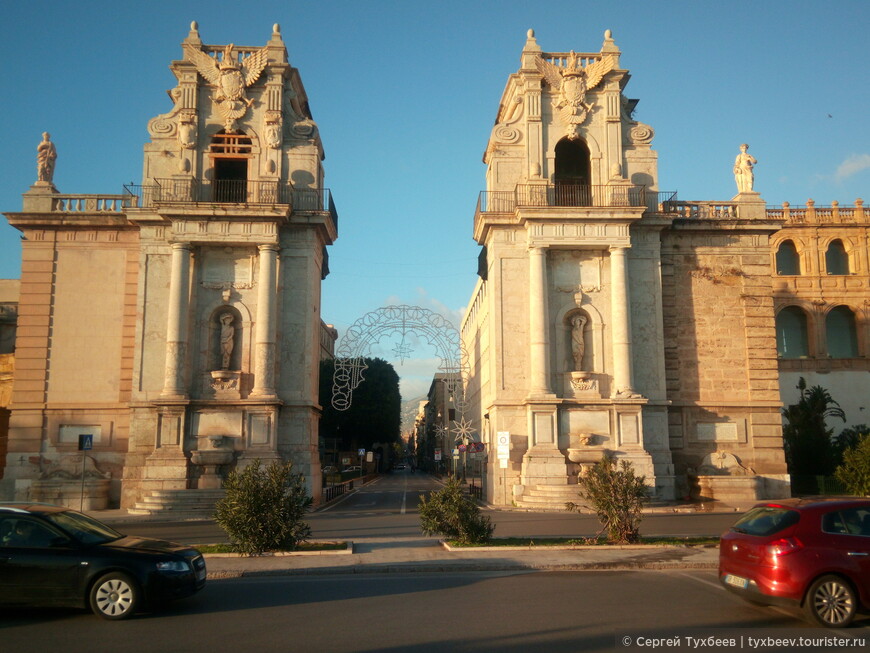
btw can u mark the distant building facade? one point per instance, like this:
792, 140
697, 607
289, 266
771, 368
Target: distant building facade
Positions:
177, 326
612, 318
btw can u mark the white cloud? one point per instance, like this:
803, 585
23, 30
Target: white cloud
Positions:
852, 166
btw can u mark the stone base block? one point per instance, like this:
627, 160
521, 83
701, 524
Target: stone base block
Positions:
737, 491
544, 467
94, 495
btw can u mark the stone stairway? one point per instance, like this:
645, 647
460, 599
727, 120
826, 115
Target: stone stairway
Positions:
549, 497
185, 504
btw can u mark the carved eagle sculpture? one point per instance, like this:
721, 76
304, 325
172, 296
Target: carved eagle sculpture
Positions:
572, 83
230, 77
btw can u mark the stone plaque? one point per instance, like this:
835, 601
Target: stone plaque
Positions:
228, 268
217, 423
717, 432
629, 433
259, 429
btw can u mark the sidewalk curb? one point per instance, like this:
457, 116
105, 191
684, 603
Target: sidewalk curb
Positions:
460, 567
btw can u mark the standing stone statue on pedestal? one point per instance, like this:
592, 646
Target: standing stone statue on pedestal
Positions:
45, 157
578, 344
743, 173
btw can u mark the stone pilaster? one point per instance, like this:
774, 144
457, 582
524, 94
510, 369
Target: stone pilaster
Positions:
176, 327
539, 346
264, 339
622, 383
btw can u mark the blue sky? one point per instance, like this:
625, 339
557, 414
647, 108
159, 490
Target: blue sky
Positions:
405, 94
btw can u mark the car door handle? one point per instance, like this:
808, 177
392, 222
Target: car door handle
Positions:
857, 553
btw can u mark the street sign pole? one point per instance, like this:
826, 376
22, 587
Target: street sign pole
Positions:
86, 443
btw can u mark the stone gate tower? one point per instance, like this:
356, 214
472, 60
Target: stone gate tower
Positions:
192, 303
571, 330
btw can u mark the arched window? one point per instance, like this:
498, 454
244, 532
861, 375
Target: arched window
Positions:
787, 259
791, 333
840, 333
571, 175
230, 154
836, 258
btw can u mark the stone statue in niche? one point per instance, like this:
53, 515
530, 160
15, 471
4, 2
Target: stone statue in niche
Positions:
743, 174
228, 333
578, 343
45, 158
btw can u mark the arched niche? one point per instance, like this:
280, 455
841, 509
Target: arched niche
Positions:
572, 173
788, 260
593, 339
232, 165
792, 333
841, 333
226, 339
836, 258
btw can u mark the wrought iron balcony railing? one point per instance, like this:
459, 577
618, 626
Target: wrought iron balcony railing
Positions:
185, 191
561, 195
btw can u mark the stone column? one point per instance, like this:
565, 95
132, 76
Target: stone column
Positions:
539, 345
176, 328
264, 337
621, 318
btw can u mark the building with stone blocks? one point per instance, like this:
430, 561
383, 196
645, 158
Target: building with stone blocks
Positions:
821, 293
611, 317
178, 324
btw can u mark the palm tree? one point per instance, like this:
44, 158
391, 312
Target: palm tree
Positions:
809, 448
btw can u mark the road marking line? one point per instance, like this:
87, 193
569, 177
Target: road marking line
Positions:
404, 495
701, 580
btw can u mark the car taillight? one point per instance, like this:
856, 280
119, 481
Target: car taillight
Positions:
782, 547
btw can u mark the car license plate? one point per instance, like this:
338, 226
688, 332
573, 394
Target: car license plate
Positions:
737, 581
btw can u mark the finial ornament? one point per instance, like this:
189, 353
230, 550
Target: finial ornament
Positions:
743, 170
530, 34
276, 29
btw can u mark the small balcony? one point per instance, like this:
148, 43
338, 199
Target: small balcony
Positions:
562, 195
174, 192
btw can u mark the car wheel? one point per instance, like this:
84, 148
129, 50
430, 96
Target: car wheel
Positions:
114, 596
830, 602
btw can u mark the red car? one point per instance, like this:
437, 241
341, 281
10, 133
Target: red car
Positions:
812, 553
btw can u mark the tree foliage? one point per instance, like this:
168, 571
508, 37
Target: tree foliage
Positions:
263, 509
809, 448
617, 495
451, 513
375, 413
854, 472
852, 436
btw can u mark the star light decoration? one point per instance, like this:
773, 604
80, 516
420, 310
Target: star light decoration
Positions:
440, 430
463, 430
402, 351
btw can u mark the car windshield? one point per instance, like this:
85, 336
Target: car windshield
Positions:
766, 520
83, 528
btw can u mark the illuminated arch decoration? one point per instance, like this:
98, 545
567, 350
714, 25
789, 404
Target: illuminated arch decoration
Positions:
395, 321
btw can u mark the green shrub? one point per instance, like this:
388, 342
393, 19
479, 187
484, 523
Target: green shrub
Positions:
263, 509
617, 496
854, 473
451, 513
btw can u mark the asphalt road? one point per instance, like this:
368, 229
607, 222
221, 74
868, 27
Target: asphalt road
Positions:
388, 508
476, 611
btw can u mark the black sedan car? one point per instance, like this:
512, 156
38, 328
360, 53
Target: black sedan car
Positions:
54, 556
